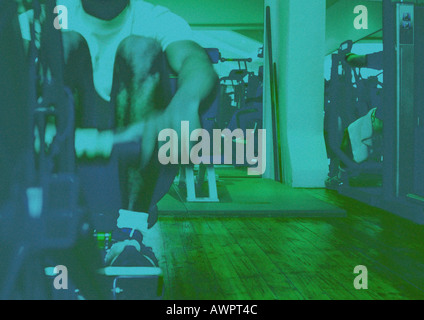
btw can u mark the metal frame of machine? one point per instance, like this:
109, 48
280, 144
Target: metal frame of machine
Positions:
402, 168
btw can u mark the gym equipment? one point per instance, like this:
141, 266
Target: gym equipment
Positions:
249, 102
346, 101
194, 182
126, 276
15, 117
404, 103
401, 169
44, 222
127, 281
214, 54
242, 108
241, 101
233, 91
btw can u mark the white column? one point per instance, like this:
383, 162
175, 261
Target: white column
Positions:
299, 50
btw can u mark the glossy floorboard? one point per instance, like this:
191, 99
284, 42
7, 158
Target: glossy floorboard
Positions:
292, 258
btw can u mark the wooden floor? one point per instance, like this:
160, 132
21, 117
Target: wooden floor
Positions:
292, 258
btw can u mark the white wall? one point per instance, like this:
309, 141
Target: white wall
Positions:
299, 49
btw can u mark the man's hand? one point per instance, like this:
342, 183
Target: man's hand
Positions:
180, 109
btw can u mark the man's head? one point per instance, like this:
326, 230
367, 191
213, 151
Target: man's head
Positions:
104, 9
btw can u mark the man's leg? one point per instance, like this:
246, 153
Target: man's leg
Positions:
99, 179
141, 87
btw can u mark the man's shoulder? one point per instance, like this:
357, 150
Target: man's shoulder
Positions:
160, 23
148, 10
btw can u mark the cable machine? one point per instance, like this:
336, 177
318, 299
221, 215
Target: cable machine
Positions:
44, 222
392, 178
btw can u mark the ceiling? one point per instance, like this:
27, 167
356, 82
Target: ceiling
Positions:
245, 18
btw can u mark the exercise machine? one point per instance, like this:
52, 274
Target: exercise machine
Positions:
349, 97
238, 104
44, 223
401, 190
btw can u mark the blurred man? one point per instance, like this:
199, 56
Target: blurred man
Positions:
116, 58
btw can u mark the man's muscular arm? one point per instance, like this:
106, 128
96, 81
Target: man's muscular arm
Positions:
196, 75
196, 81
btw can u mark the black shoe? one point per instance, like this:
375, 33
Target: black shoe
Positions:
130, 256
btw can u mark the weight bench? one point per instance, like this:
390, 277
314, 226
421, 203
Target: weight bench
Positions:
192, 184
